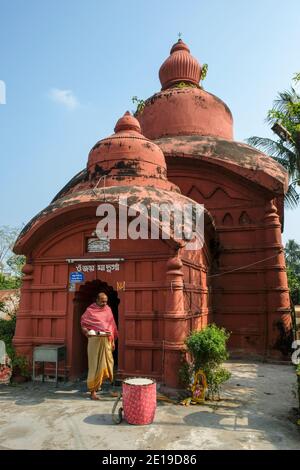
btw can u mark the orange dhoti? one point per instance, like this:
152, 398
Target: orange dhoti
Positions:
101, 361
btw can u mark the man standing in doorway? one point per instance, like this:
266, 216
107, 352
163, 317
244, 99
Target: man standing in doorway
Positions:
98, 325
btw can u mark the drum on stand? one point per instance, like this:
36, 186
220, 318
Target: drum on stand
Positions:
139, 400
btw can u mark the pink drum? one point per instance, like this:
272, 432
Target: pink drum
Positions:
139, 400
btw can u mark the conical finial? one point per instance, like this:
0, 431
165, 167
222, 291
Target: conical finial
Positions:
127, 123
179, 46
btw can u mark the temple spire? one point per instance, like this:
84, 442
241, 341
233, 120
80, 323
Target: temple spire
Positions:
180, 66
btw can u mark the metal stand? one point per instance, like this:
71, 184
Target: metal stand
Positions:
49, 353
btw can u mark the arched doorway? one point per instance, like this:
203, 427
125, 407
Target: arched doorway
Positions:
84, 297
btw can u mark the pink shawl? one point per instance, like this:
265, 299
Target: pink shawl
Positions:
99, 319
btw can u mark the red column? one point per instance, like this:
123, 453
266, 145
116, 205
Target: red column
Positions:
278, 321
175, 323
23, 333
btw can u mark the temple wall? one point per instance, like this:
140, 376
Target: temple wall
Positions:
253, 302
151, 323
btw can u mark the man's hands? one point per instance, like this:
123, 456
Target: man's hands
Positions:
85, 331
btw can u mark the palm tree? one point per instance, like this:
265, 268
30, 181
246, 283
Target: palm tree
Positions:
284, 118
292, 255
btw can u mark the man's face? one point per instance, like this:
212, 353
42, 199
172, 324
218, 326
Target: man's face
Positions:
102, 300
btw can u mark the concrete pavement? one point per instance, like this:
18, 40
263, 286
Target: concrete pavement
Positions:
257, 411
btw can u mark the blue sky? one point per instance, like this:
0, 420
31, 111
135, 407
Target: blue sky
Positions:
71, 68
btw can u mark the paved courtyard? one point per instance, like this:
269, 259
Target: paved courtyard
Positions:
257, 411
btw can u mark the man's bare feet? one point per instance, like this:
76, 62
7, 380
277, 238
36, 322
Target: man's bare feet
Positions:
94, 396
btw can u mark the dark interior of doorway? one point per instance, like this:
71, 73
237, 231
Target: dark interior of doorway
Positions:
84, 297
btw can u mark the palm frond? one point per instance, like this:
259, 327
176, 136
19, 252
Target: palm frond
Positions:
283, 162
285, 150
272, 147
285, 99
284, 155
285, 102
291, 197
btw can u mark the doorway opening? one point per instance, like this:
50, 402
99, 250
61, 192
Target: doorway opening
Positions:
85, 296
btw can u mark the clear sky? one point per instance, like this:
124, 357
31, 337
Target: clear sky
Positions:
71, 68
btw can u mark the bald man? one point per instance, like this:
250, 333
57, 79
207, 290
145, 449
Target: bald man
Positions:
98, 325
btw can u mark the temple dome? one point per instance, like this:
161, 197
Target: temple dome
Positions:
127, 157
180, 66
182, 107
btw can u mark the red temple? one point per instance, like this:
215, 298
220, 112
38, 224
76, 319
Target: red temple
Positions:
178, 148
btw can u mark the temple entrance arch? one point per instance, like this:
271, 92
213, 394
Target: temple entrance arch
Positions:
84, 297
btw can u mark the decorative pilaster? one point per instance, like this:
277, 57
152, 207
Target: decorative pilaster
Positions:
278, 320
23, 333
175, 322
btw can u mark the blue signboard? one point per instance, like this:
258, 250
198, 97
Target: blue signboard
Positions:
76, 277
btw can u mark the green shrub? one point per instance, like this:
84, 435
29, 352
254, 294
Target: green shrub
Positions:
9, 282
208, 351
215, 378
208, 346
185, 373
7, 331
20, 363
